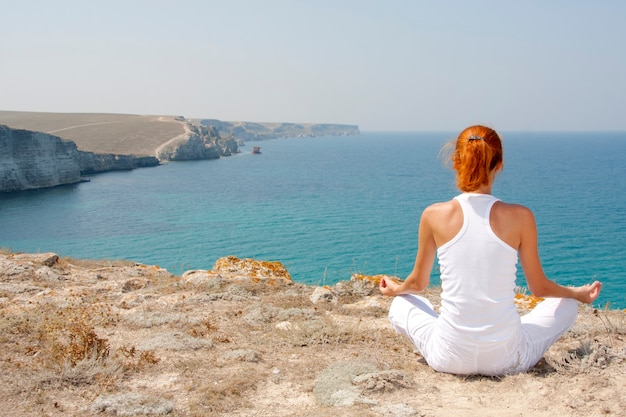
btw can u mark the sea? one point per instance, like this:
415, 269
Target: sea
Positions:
328, 207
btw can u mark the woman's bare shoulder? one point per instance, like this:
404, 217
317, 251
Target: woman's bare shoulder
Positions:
444, 207
512, 206
513, 210
443, 212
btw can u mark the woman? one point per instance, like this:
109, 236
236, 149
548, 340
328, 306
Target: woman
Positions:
477, 239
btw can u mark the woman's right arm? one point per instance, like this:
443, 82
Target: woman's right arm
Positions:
538, 284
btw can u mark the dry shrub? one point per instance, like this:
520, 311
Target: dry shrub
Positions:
131, 404
136, 360
87, 372
58, 345
262, 314
251, 288
66, 345
223, 396
68, 334
297, 296
356, 289
589, 356
148, 318
613, 321
12, 325
94, 264
203, 328
325, 331
598, 348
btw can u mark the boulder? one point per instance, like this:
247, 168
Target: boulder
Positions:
251, 268
323, 295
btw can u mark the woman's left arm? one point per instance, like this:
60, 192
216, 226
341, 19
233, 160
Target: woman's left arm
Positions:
419, 277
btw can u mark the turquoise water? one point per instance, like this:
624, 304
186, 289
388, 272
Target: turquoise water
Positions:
328, 207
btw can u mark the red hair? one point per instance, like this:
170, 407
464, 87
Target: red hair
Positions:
478, 151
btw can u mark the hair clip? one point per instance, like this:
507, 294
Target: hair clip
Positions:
475, 137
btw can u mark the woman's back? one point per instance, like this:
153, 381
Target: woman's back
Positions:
478, 271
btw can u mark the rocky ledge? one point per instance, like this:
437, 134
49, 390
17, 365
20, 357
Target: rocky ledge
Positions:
106, 338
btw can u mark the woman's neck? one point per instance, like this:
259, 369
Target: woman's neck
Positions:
485, 189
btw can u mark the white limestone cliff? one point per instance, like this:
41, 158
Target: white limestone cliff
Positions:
30, 160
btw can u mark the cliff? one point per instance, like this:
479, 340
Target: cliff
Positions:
92, 163
118, 338
249, 131
31, 160
197, 142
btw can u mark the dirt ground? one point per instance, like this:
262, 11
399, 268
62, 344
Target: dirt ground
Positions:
97, 338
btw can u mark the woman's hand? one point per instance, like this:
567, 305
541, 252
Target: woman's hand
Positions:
388, 286
588, 293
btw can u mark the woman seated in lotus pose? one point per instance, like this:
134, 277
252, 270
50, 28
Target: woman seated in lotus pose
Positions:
477, 239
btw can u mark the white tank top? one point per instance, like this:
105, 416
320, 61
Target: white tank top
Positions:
477, 279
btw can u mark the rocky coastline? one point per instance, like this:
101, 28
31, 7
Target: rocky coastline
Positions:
249, 131
92, 143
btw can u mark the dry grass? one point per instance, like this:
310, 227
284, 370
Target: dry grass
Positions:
101, 132
224, 395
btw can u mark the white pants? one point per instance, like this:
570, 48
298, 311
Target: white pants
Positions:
414, 316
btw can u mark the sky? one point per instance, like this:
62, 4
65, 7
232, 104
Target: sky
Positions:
385, 65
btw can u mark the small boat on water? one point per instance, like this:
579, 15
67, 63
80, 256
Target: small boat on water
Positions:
256, 150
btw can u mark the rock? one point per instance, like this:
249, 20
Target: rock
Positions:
383, 381
45, 273
45, 259
284, 325
323, 295
374, 279
365, 304
243, 355
129, 301
131, 404
135, 284
200, 277
334, 386
397, 410
251, 268
25, 266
